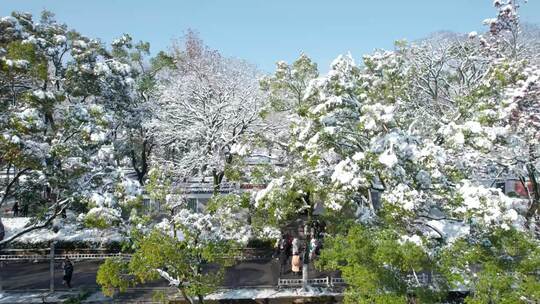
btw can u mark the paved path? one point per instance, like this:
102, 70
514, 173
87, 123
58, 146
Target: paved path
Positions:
32, 276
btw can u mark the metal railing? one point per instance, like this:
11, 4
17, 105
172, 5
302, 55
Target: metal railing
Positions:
289, 282
73, 256
423, 279
200, 187
31, 255
318, 282
337, 281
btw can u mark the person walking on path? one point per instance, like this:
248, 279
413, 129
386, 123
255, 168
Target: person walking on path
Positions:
15, 209
68, 271
282, 253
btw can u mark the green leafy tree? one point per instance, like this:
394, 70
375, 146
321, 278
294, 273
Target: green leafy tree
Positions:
500, 265
189, 262
375, 263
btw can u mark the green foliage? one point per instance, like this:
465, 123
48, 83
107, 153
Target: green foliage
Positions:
184, 260
374, 263
111, 276
261, 173
287, 86
239, 201
234, 172
179, 259
95, 221
17, 50
83, 295
157, 185
160, 296
500, 266
162, 60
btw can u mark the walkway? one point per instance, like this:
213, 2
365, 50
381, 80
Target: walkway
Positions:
27, 275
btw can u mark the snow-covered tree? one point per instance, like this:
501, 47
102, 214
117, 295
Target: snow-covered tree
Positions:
208, 107
133, 140
292, 185
423, 124
494, 130
188, 249
206, 112
58, 92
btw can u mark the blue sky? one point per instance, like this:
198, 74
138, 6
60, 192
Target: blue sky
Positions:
265, 31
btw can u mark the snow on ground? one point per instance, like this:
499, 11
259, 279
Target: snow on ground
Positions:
98, 297
34, 297
68, 232
48, 297
451, 230
270, 293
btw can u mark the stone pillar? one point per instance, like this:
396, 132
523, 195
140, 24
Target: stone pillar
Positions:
1, 276
305, 262
51, 268
2, 231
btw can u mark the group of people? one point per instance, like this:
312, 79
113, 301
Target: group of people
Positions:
298, 252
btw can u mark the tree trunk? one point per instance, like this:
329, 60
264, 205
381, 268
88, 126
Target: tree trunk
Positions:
2, 231
185, 296
307, 234
201, 299
51, 267
217, 179
535, 199
49, 120
141, 172
141, 167
305, 275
